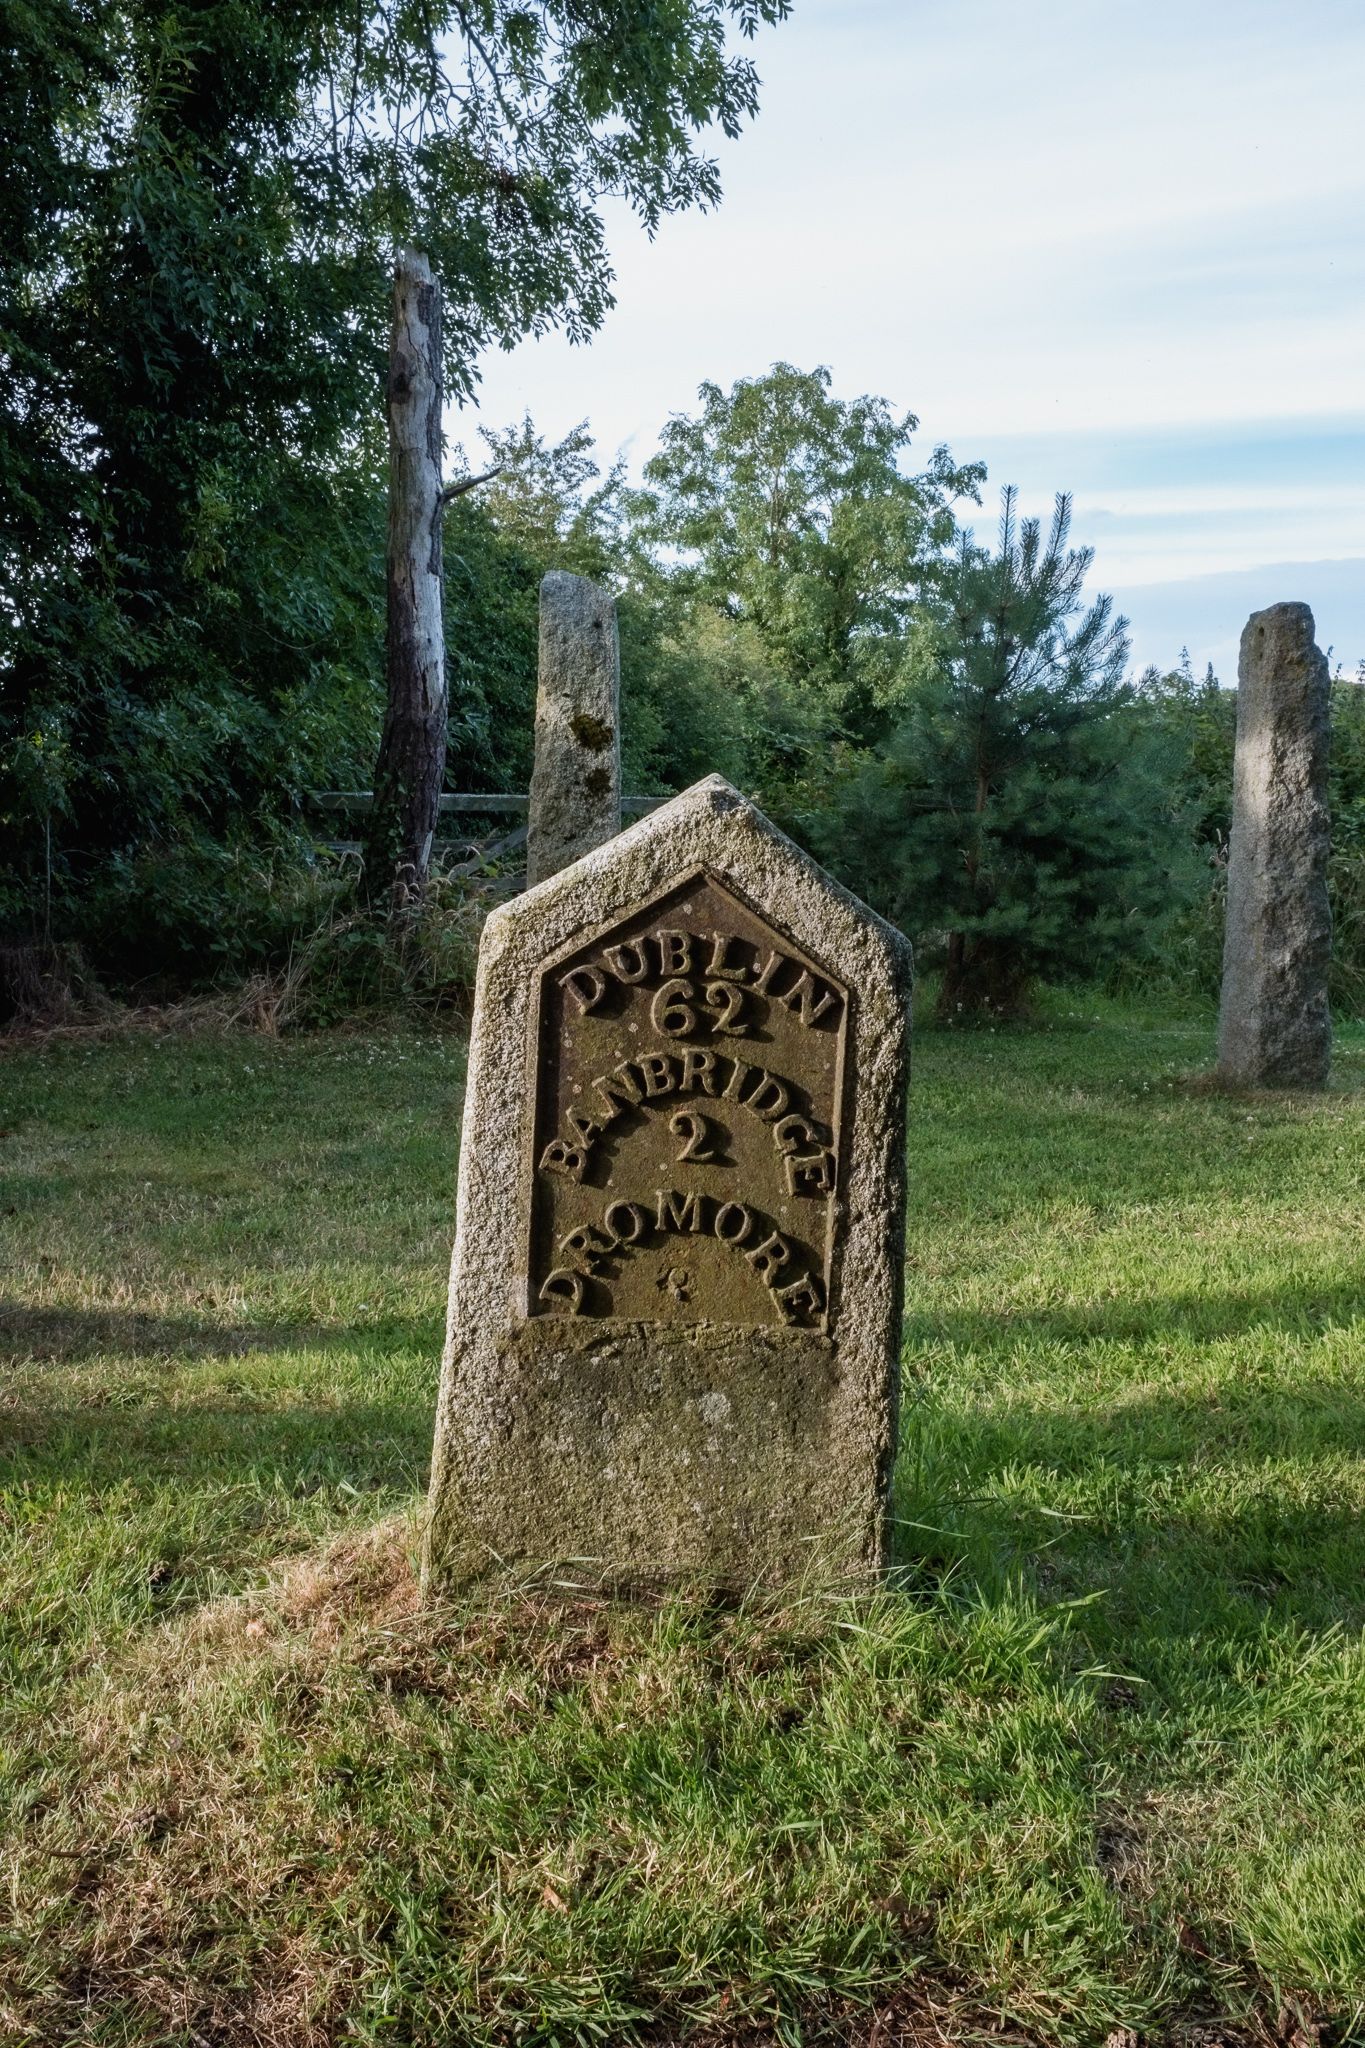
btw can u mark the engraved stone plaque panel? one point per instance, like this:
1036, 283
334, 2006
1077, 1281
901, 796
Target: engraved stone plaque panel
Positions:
688, 1094
675, 1296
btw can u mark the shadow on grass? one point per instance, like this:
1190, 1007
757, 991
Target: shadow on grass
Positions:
1191, 1512
213, 1427
1298, 1309
364, 1447
1195, 1522
66, 1336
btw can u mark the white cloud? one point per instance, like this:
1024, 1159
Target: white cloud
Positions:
1091, 224
1206, 614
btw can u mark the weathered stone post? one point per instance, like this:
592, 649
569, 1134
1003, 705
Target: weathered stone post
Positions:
1274, 1027
576, 780
676, 1293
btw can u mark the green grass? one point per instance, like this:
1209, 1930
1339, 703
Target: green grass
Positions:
1095, 1760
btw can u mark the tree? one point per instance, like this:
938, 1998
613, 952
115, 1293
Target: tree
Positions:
1022, 807
552, 499
549, 507
790, 514
1201, 720
193, 336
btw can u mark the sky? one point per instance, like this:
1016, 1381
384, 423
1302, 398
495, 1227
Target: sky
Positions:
1107, 246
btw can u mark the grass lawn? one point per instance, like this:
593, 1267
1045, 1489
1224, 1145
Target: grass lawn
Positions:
1095, 1761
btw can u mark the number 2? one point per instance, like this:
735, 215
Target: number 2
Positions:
724, 997
685, 1124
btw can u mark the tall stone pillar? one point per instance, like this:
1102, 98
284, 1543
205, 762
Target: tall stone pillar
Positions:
576, 779
1274, 1028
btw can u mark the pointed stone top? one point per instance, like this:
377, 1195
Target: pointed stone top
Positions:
709, 826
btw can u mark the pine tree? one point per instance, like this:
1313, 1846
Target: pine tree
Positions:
1020, 822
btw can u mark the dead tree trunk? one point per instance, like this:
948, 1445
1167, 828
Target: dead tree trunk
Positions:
412, 752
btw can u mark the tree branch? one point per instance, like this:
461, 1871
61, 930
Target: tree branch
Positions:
469, 483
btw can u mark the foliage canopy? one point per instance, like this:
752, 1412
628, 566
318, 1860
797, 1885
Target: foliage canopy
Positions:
193, 299
788, 511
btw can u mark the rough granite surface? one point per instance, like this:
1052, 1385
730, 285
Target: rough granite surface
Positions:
582, 1444
576, 781
1274, 1025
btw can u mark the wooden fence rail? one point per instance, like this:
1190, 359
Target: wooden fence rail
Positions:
473, 803
466, 800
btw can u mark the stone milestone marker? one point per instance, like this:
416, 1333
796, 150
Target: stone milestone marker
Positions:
1274, 1026
675, 1297
576, 779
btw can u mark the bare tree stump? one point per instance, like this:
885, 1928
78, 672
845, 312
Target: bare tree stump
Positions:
412, 752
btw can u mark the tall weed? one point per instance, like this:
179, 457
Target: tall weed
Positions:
1190, 963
